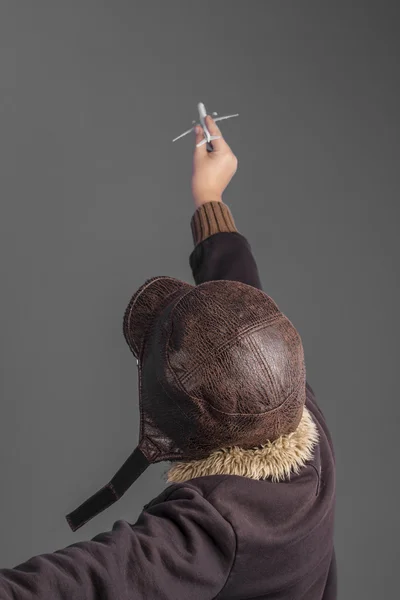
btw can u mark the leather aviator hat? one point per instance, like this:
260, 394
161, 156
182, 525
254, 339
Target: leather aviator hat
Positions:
219, 365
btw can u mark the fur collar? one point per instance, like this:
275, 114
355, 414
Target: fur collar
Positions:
275, 460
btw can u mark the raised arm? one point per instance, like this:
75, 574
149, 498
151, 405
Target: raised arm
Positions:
221, 252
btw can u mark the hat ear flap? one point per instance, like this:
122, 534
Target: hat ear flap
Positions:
145, 305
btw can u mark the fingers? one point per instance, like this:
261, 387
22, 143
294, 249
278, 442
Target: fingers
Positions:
202, 150
220, 144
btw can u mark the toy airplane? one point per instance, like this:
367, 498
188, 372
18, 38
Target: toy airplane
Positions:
207, 136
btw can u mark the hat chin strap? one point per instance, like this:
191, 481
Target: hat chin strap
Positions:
133, 467
273, 460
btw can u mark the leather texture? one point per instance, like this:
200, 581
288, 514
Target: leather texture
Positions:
219, 365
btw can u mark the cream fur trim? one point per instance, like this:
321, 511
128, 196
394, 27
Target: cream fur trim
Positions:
275, 460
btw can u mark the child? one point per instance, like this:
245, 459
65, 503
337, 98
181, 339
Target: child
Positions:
249, 512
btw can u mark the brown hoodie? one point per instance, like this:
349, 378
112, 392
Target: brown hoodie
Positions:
239, 525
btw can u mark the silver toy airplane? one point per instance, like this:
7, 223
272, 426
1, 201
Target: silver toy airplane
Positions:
207, 136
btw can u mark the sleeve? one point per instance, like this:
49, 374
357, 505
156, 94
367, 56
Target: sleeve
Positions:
221, 251
179, 548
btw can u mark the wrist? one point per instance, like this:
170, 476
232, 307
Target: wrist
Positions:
204, 200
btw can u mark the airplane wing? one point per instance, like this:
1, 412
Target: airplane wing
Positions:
227, 117
216, 119
201, 143
212, 137
186, 132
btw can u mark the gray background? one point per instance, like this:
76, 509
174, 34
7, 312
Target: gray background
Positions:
95, 199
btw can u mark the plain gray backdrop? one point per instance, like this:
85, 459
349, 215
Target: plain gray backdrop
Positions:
95, 198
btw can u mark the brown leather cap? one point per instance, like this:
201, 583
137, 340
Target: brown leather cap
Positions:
219, 365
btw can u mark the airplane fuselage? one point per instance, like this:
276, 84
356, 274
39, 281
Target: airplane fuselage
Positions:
202, 115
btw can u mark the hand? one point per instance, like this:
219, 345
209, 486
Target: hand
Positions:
212, 171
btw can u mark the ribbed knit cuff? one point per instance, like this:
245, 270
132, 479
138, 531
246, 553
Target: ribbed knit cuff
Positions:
210, 218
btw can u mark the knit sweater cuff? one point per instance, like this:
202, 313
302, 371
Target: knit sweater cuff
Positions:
210, 218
